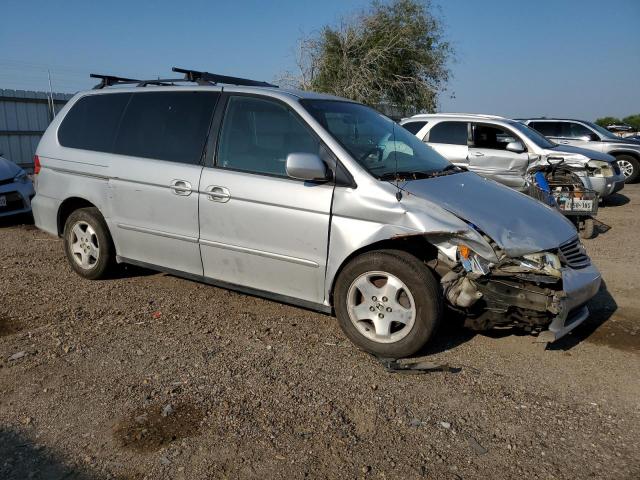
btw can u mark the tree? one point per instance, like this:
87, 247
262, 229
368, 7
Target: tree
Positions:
392, 54
606, 121
633, 120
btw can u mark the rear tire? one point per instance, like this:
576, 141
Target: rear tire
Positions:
630, 166
88, 244
399, 312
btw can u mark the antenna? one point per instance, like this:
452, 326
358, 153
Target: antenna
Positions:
395, 157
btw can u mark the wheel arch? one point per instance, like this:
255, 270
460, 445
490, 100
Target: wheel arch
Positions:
67, 207
631, 153
417, 245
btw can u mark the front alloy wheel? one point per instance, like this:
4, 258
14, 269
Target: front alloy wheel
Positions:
388, 303
629, 166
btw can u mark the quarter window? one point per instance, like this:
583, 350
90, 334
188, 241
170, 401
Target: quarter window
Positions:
258, 134
454, 133
92, 122
414, 127
171, 126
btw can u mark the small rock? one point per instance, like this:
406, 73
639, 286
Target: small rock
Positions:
17, 356
446, 425
165, 461
269, 347
415, 422
167, 410
139, 352
366, 469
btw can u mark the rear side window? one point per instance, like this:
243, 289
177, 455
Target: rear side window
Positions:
414, 127
171, 126
548, 129
454, 133
258, 134
92, 122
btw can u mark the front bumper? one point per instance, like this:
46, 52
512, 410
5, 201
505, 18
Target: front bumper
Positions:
606, 186
18, 197
579, 286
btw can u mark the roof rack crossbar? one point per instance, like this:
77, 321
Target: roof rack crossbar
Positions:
206, 77
109, 80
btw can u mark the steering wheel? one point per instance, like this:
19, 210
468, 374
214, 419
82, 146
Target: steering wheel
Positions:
370, 151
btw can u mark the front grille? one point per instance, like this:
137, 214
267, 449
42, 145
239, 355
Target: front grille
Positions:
14, 202
616, 168
572, 254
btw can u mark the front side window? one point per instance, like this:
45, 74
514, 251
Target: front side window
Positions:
452, 133
171, 126
258, 134
377, 143
92, 122
574, 130
489, 136
548, 129
414, 127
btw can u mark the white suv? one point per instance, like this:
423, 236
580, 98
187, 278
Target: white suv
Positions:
504, 150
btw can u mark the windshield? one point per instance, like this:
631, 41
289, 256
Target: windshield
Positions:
602, 131
382, 147
533, 135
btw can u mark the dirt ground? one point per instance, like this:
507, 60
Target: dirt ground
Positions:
152, 376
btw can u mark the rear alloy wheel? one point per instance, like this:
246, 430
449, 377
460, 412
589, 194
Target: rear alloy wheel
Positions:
629, 166
388, 303
88, 244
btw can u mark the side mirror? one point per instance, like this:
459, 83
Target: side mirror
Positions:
306, 166
516, 147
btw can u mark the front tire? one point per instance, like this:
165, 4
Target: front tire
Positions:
88, 244
629, 166
388, 303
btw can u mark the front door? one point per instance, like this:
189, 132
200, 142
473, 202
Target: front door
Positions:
155, 175
489, 157
260, 229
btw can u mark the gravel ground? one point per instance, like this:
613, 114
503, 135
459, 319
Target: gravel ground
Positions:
152, 376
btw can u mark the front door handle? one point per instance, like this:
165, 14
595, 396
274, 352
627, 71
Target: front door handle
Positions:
564, 142
218, 194
478, 154
180, 187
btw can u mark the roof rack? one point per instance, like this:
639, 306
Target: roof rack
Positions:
195, 76
198, 77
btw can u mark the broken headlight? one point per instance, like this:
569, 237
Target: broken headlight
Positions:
599, 168
544, 262
472, 262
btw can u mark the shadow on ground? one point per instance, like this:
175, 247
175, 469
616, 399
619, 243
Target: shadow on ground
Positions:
16, 220
20, 459
616, 200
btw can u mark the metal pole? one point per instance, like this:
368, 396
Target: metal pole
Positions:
51, 104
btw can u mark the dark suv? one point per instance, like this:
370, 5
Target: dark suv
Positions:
593, 137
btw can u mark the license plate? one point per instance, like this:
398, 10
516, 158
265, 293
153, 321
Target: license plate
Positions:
582, 205
3, 201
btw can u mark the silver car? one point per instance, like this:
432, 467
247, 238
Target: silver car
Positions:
591, 136
307, 199
16, 189
505, 150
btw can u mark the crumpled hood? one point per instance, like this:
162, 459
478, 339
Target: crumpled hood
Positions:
8, 169
571, 150
517, 223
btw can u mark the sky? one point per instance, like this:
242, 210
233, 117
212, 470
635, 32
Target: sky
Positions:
573, 58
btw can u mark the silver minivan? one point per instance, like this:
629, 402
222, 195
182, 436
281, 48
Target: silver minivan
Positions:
307, 199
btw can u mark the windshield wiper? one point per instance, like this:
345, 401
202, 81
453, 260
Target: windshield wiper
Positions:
415, 175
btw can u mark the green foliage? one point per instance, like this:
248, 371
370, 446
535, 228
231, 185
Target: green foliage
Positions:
394, 53
633, 120
604, 121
